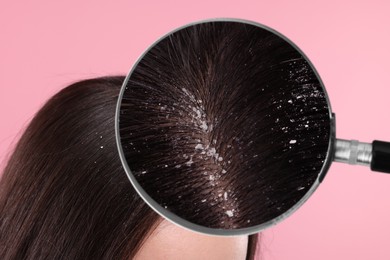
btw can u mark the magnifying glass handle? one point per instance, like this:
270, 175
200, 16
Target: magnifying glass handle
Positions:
376, 155
380, 161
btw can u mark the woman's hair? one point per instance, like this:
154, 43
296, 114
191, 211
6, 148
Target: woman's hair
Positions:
224, 124
64, 193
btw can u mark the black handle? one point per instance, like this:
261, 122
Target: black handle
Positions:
380, 161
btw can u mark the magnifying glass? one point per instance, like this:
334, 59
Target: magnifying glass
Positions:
224, 127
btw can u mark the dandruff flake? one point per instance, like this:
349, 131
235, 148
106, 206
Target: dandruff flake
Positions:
229, 213
199, 146
225, 195
189, 162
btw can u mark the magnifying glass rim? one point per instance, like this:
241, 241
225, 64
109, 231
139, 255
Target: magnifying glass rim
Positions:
202, 229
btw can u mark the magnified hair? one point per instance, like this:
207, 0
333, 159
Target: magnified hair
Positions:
224, 124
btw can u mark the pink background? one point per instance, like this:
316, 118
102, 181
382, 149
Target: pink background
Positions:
45, 46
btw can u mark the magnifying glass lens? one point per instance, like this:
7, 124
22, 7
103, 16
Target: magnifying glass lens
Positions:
224, 127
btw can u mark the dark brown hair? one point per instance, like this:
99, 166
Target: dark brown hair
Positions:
64, 193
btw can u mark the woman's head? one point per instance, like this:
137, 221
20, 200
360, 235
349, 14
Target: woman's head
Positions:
64, 193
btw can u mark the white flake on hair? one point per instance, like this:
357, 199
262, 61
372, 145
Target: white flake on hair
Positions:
197, 112
204, 125
190, 162
192, 97
211, 152
225, 195
229, 213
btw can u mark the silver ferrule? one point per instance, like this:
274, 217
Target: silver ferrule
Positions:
353, 152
